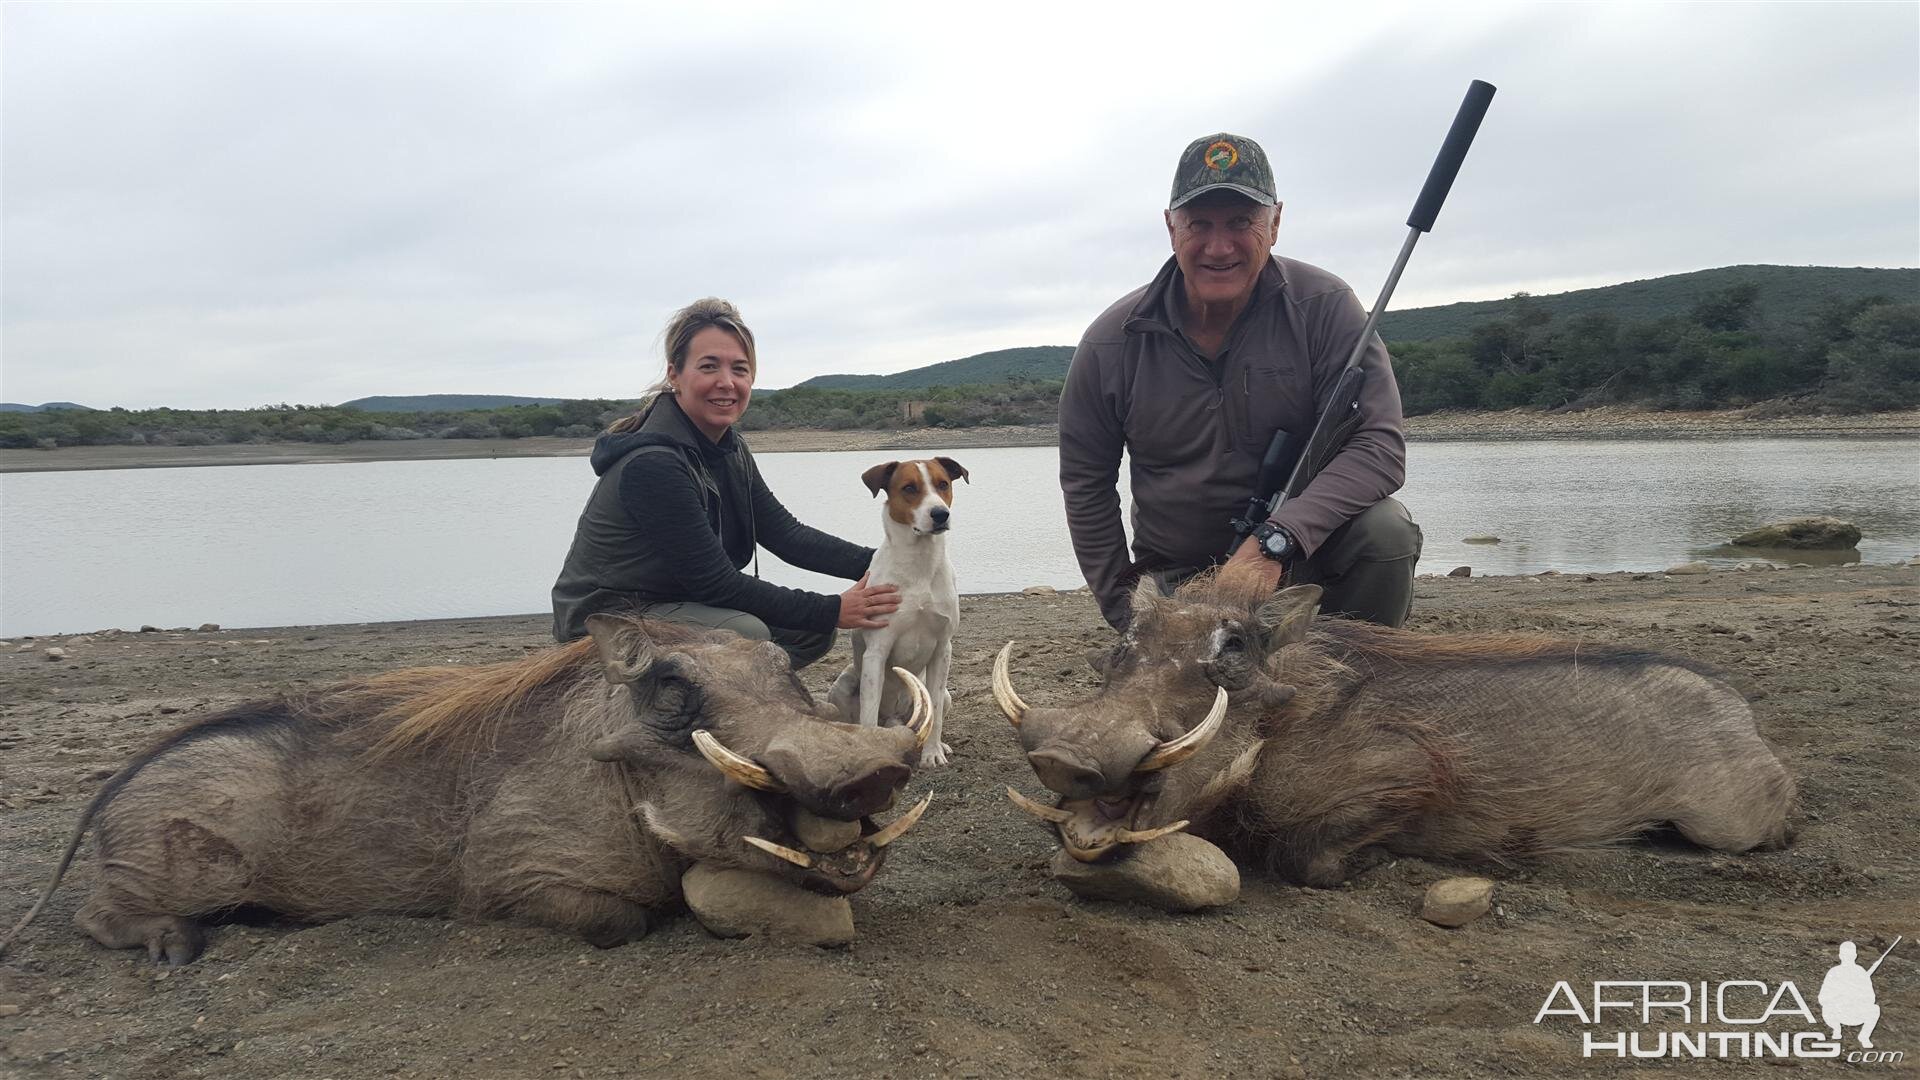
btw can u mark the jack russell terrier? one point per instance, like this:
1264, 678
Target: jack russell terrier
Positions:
918, 636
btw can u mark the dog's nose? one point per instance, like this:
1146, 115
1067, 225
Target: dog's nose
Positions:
940, 515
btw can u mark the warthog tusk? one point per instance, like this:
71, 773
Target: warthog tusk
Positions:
1128, 836
1010, 702
901, 824
1175, 751
798, 858
1044, 813
921, 722
738, 769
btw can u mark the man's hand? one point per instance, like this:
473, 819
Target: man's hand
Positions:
1249, 560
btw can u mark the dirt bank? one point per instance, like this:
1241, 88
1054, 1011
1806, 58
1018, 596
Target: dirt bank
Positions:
971, 962
1607, 423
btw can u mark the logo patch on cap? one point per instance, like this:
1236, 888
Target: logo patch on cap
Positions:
1222, 156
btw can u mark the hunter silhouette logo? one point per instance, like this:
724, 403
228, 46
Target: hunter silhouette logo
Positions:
1846, 995
1222, 156
1738, 1018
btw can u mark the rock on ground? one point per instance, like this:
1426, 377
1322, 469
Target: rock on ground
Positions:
1690, 568
1457, 901
740, 903
1819, 532
1174, 873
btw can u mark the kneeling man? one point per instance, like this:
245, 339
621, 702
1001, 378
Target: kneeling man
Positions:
1192, 374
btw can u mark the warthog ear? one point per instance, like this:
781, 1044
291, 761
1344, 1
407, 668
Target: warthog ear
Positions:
1288, 613
954, 468
878, 477
626, 652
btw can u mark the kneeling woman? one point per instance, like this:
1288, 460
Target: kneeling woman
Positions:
680, 508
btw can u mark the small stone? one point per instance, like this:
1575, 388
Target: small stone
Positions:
1690, 568
1457, 901
1040, 590
149, 628
25, 646
731, 902
209, 627
1480, 540
1174, 873
56, 653
1460, 571
9, 1010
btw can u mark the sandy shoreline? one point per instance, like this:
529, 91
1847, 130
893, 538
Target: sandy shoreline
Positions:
971, 961
1606, 423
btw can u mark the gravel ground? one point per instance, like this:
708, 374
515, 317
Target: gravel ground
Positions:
971, 962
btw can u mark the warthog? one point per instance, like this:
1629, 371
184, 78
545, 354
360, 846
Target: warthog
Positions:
475, 791
1325, 736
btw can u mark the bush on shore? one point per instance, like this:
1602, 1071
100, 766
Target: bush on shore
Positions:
1852, 356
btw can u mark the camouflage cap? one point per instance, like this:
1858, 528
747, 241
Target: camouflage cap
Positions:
1226, 161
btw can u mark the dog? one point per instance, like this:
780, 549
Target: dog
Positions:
919, 636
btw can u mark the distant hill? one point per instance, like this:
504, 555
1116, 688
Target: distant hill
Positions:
444, 402
10, 406
1788, 294
1032, 362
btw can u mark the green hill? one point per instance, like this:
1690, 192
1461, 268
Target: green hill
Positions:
1031, 362
1788, 295
444, 402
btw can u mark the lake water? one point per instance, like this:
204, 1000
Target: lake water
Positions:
278, 545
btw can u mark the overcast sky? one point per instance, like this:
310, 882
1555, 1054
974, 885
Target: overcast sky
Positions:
227, 206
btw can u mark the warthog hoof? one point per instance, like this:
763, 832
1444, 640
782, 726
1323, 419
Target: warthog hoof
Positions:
169, 939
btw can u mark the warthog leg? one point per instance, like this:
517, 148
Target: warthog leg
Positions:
604, 920
168, 939
1315, 852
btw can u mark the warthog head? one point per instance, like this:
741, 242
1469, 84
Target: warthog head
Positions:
1146, 754
739, 767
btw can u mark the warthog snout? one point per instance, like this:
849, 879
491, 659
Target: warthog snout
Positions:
1064, 770
870, 793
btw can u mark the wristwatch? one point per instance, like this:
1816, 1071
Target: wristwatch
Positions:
1275, 542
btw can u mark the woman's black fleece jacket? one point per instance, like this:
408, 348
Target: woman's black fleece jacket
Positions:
675, 517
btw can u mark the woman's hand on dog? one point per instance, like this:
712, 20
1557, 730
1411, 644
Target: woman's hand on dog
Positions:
861, 606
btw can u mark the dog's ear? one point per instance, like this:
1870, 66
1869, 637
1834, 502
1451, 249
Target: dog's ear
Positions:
954, 468
878, 477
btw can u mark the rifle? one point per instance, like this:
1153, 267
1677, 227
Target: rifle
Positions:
1334, 424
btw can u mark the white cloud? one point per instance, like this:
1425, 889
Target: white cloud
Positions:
210, 205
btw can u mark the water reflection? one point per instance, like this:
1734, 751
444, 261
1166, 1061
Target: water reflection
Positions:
292, 544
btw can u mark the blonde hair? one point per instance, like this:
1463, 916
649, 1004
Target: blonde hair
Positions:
709, 313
